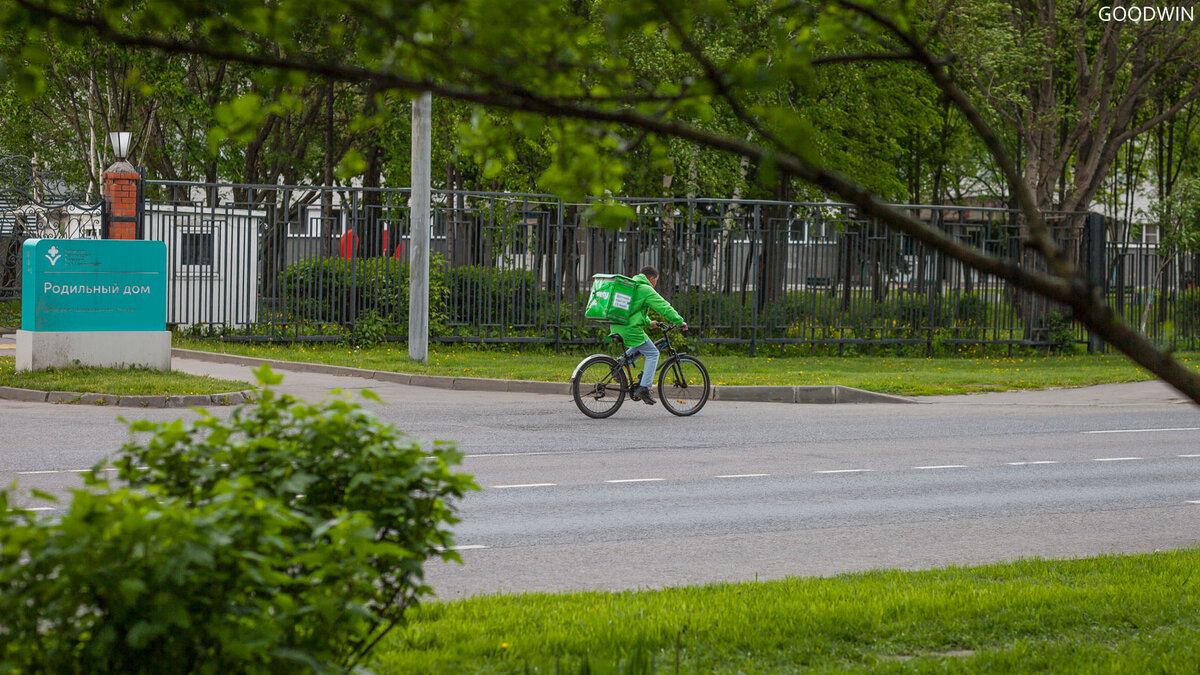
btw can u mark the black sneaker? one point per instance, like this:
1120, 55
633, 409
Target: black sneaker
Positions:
644, 394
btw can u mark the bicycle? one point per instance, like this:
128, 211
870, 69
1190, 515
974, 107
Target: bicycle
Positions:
600, 382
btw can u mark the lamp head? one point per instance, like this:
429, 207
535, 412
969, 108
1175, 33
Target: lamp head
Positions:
120, 144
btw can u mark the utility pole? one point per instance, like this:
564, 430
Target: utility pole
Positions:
418, 262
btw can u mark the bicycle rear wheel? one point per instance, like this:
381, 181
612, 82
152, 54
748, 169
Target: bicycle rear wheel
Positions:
683, 386
599, 386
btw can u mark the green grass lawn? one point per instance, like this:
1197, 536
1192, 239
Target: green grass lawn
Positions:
1111, 614
117, 381
895, 375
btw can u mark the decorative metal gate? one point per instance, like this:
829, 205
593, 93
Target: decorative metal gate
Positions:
35, 203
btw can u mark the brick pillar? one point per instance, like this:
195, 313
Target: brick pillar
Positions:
120, 200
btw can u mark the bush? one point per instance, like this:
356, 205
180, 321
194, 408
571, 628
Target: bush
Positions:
291, 537
10, 313
335, 290
492, 296
1188, 312
134, 583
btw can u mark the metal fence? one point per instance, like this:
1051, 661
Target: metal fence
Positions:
320, 263
35, 203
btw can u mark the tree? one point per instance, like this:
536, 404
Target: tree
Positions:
1070, 86
1178, 219
548, 60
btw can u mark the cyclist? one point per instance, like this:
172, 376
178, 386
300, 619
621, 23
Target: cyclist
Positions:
634, 333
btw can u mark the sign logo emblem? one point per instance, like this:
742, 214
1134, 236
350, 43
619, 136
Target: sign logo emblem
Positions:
52, 255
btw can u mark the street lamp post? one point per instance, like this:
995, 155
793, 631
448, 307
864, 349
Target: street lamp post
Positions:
121, 191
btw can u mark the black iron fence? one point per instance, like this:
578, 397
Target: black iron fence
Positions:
35, 203
325, 263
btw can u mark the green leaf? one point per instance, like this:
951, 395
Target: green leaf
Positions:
352, 164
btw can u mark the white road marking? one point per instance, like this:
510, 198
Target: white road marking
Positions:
1043, 461
523, 485
1187, 455
468, 547
844, 471
1138, 431
1116, 459
635, 480
533, 454
745, 475
942, 466
39, 473
1197, 501
38, 508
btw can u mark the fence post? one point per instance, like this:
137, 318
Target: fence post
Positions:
1097, 267
560, 229
753, 260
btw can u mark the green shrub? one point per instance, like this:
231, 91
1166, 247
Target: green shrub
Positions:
369, 330
290, 538
335, 290
1188, 313
1060, 332
10, 313
131, 582
491, 296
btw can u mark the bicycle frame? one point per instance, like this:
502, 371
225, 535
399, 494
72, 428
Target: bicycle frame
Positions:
662, 345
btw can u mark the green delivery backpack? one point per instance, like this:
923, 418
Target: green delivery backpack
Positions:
610, 298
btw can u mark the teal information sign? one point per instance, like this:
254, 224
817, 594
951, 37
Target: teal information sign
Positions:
93, 285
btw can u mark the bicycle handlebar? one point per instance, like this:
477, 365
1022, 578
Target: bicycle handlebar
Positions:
666, 327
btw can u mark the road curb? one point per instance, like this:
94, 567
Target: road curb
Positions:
138, 401
751, 393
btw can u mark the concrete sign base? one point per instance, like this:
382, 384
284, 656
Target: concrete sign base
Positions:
105, 349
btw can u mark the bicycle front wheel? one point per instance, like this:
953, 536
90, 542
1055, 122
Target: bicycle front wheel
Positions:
599, 386
683, 386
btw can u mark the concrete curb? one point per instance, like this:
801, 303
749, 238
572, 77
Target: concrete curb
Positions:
91, 398
768, 394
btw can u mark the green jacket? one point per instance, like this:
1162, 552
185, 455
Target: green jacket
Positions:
644, 298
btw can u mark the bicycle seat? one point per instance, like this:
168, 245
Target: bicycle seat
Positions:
617, 340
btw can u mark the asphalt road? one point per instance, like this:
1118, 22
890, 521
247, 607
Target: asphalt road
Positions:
748, 490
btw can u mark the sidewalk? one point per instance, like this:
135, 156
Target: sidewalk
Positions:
765, 394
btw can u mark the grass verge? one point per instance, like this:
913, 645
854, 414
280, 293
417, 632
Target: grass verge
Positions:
117, 381
893, 375
1111, 614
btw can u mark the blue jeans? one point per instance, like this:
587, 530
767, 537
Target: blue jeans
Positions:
648, 350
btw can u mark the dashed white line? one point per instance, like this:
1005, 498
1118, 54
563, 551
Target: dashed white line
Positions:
942, 466
468, 547
37, 508
845, 471
1117, 459
1194, 501
1043, 461
39, 473
1187, 455
523, 485
1140, 431
745, 475
634, 480
533, 454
